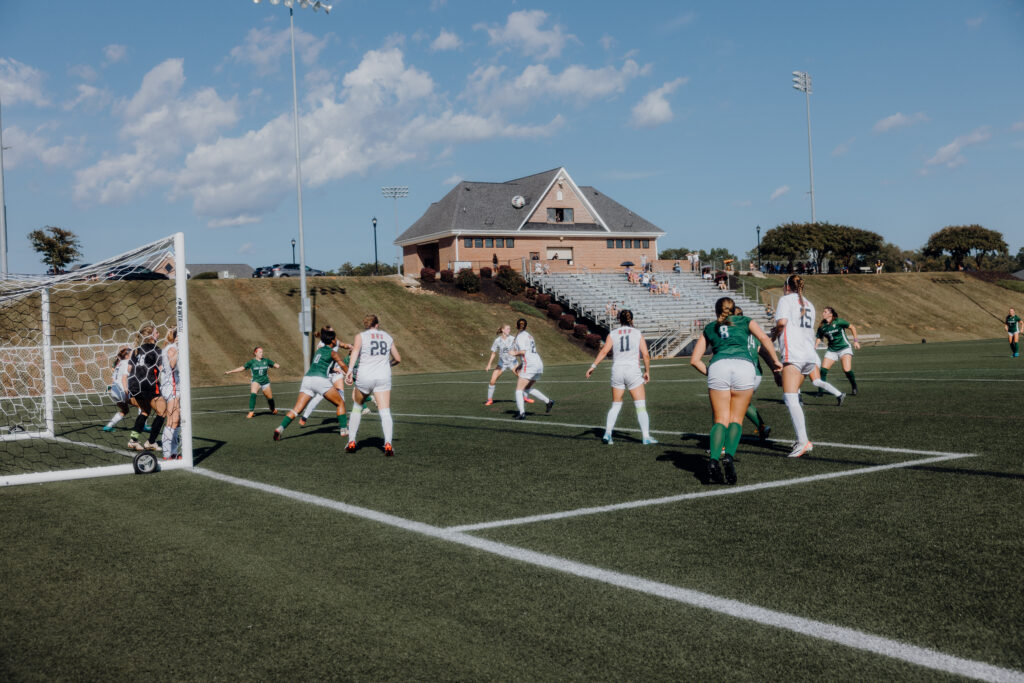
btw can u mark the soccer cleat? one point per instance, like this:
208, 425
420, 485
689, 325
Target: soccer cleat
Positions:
839, 399
343, 431
819, 394
150, 446
489, 401
801, 449
763, 433
274, 411
519, 416
250, 416
302, 422
108, 429
277, 434
134, 445
351, 447
607, 438
551, 404
388, 450
647, 441
715, 472
366, 410
527, 399
729, 469
853, 392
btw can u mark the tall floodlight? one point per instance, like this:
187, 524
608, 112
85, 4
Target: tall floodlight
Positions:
305, 323
802, 82
376, 268
396, 192
3, 202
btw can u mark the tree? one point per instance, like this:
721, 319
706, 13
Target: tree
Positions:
716, 255
819, 241
59, 248
959, 241
673, 254
363, 269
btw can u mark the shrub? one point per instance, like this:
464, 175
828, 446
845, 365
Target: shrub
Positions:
427, 274
526, 309
593, 341
567, 321
447, 275
554, 311
579, 330
485, 272
510, 280
208, 275
542, 300
468, 281
531, 293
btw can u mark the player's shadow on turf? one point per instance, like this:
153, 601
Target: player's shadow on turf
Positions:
203, 452
694, 463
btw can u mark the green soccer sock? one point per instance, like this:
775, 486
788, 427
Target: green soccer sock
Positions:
1015, 347
343, 420
252, 402
853, 380
754, 416
732, 437
270, 402
717, 440
285, 422
824, 376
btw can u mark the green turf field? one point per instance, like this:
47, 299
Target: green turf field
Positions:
491, 549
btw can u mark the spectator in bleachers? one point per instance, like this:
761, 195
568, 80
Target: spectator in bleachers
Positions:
676, 268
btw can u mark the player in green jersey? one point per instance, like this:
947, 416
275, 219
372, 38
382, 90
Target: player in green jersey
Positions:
757, 351
317, 382
731, 380
1012, 325
259, 367
832, 331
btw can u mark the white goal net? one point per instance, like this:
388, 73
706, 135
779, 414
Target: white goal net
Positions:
62, 410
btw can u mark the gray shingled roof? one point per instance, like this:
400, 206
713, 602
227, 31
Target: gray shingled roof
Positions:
483, 208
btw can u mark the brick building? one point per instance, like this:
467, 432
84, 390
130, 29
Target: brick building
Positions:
544, 218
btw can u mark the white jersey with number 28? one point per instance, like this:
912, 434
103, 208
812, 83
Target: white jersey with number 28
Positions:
375, 354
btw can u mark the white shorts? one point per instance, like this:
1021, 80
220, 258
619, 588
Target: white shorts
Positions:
531, 375
370, 385
731, 374
118, 393
757, 381
627, 377
315, 386
836, 355
805, 367
510, 365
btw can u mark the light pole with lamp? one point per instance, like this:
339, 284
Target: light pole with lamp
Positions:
375, 267
759, 247
305, 322
3, 202
293, 251
396, 192
802, 82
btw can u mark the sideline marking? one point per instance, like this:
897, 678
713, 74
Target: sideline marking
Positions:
579, 512
931, 659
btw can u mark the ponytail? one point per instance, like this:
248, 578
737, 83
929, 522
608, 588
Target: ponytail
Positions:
626, 317
796, 284
725, 307
521, 324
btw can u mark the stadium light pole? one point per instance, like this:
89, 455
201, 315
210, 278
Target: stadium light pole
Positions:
802, 82
304, 312
375, 268
396, 192
293, 250
3, 202
759, 247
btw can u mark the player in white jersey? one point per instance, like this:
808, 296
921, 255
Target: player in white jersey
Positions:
502, 350
335, 375
795, 334
118, 388
628, 346
374, 352
530, 368
169, 381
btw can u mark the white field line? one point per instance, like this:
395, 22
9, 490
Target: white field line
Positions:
579, 512
931, 659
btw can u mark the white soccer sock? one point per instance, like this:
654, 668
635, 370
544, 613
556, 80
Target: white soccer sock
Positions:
540, 395
387, 424
166, 440
490, 392
176, 441
118, 416
613, 415
353, 421
643, 418
822, 384
796, 413
311, 406
520, 401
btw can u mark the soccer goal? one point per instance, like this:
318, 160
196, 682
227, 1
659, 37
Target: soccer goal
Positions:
60, 336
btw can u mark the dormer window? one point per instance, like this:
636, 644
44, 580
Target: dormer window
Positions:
560, 216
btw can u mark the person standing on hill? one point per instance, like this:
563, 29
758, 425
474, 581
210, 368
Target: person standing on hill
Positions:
259, 367
1012, 325
832, 331
531, 367
628, 346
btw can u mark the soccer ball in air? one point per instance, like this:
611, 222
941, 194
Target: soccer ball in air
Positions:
519, 201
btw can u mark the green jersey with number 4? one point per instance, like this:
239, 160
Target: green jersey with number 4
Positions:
835, 334
729, 340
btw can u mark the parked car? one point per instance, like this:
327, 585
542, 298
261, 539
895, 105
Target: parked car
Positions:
262, 271
133, 273
293, 270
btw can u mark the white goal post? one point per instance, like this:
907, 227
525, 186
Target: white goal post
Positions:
60, 336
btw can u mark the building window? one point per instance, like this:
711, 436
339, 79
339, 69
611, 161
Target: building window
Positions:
510, 242
629, 244
478, 242
499, 242
534, 255
468, 242
618, 244
489, 242
611, 244
646, 244
559, 215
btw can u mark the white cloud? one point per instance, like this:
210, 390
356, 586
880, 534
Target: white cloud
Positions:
451, 180
268, 50
898, 120
653, 109
89, 97
1018, 125
606, 42
680, 21
21, 83
523, 30
446, 40
83, 72
843, 148
779, 191
951, 155
23, 147
112, 54
744, 203
246, 248
975, 22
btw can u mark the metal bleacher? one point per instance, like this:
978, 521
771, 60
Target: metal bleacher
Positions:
669, 322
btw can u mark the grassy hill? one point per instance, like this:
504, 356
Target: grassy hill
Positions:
433, 333
907, 307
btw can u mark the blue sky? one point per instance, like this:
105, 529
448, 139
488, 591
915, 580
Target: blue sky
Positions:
128, 121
